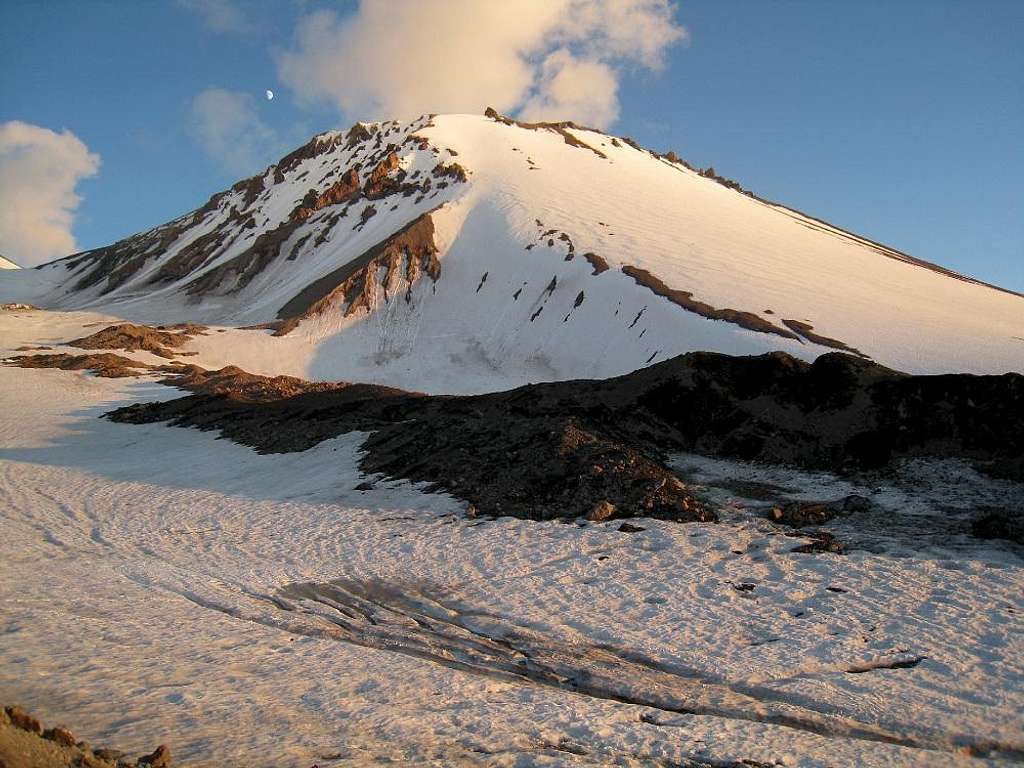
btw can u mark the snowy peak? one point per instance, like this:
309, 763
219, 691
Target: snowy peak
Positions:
292, 208
7, 263
465, 253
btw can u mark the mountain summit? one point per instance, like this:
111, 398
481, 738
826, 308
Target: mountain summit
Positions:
468, 253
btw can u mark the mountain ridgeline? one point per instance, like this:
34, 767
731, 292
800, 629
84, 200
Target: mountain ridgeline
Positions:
465, 253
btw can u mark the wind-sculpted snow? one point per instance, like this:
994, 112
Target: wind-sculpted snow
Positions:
290, 609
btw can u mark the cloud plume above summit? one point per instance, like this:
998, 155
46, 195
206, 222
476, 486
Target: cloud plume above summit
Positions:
546, 59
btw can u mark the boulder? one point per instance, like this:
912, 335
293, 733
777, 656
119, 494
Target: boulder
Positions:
602, 510
160, 758
22, 719
61, 736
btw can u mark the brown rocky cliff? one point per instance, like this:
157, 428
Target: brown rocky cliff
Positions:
408, 254
380, 183
341, 191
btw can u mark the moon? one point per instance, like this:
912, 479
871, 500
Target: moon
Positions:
270, 95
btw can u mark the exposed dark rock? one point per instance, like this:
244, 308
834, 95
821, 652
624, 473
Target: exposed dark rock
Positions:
685, 299
243, 386
28, 748
115, 264
602, 510
1000, 523
356, 135
131, 338
160, 758
368, 213
421, 141
236, 273
21, 719
799, 514
343, 190
250, 189
821, 542
561, 128
380, 183
294, 252
807, 331
566, 446
709, 173
315, 147
193, 256
409, 253
61, 736
449, 170
630, 528
105, 365
598, 264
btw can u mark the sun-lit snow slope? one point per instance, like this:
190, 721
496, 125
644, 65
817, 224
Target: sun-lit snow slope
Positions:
526, 253
7, 264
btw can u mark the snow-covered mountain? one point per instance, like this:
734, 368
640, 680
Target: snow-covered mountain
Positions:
7, 263
464, 253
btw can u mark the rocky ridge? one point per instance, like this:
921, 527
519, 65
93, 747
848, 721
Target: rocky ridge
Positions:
597, 448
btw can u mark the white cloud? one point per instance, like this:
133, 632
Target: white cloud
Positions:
228, 128
219, 15
587, 91
39, 169
551, 58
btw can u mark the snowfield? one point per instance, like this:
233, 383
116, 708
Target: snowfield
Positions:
160, 584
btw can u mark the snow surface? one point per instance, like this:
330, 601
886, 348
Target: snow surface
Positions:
7, 264
478, 327
147, 593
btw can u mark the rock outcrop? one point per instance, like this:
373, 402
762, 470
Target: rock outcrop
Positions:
596, 448
341, 191
404, 257
161, 341
24, 743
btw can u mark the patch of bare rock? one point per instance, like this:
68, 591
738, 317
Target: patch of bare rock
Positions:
561, 128
685, 299
597, 449
25, 743
240, 385
409, 253
106, 365
799, 514
162, 341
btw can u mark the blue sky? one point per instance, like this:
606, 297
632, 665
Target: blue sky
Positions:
902, 121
